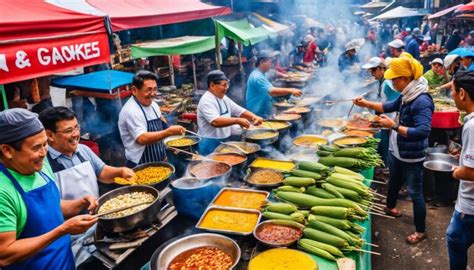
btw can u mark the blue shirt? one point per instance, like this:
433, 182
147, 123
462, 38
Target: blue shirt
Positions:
258, 99
86, 153
390, 93
414, 49
345, 61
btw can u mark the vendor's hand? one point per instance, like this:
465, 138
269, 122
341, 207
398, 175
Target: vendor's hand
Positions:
386, 121
126, 173
78, 224
359, 101
257, 121
455, 172
176, 130
296, 92
243, 123
89, 202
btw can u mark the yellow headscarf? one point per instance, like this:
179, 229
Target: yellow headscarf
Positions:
404, 66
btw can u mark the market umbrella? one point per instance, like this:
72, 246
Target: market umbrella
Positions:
101, 81
465, 12
463, 52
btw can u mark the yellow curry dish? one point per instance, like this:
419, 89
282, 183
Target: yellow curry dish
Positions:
279, 165
309, 141
350, 141
230, 220
282, 259
181, 142
241, 199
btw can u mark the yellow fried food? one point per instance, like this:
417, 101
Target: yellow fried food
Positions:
180, 142
282, 259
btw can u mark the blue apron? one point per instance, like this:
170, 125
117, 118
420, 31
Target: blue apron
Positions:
208, 145
153, 152
43, 215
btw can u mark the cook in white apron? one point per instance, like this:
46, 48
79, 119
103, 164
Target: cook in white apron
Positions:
77, 182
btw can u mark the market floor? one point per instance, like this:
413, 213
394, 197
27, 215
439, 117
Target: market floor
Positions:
432, 253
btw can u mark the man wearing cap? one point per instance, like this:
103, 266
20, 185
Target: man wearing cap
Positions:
297, 55
33, 231
396, 47
348, 57
413, 44
260, 91
436, 76
141, 125
217, 113
409, 137
452, 63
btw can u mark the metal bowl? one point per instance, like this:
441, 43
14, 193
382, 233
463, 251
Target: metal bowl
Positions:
165, 182
194, 241
142, 218
262, 186
240, 164
282, 116
245, 145
196, 140
266, 223
248, 134
310, 136
224, 176
440, 162
440, 148
349, 145
281, 130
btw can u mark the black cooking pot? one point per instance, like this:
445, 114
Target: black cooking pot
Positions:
142, 218
163, 184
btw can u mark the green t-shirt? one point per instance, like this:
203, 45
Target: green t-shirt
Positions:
12, 207
434, 80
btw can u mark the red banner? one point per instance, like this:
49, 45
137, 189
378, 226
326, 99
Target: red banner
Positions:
30, 59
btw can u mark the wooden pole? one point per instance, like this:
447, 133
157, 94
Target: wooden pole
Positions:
4, 97
170, 61
194, 73
218, 46
241, 67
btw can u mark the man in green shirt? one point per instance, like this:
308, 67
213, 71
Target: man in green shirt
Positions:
33, 231
436, 76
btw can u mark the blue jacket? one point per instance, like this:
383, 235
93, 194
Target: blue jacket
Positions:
415, 115
413, 48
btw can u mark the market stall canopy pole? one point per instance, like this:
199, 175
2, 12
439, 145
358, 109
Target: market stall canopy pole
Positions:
39, 39
125, 14
4, 97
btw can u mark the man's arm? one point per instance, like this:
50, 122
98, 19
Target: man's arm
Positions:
14, 250
108, 173
279, 91
464, 173
71, 208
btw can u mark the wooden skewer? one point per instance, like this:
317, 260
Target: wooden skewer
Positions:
376, 211
192, 154
377, 214
375, 193
370, 244
363, 250
378, 182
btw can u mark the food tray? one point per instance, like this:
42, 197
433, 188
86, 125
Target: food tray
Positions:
272, 160
198, 225
237, 190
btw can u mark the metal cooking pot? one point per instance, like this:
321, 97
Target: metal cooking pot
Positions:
249, 133
237, 169
142, 218
163, 184
440, 162
194, 241
440, 148
190, 147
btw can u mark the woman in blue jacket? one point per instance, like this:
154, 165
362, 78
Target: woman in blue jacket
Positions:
409, 140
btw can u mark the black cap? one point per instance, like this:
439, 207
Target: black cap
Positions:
18, 124
216, 76
266, 54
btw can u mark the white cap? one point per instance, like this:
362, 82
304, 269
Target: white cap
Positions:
350, 46
396, 43
449, 60
437, 60
374, 62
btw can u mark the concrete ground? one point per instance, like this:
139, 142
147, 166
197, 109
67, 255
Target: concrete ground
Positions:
430, 254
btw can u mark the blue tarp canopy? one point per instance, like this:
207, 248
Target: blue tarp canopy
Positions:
463, 52
101, 81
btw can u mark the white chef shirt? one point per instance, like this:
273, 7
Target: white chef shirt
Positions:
132, 124
208, 110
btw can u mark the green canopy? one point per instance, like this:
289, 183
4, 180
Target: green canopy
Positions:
180, 45
243, 32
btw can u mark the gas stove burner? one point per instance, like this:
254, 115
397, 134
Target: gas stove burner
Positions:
112, 249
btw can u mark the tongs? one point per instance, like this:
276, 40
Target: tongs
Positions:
352, 107
333, 102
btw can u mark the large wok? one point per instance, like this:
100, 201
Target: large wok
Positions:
165, 182
142, 218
